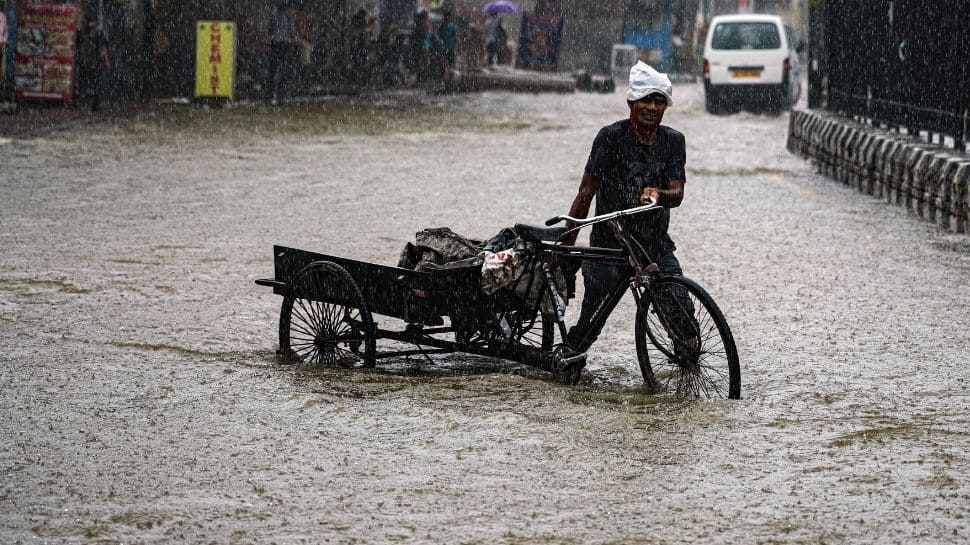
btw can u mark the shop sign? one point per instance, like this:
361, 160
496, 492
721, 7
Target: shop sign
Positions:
45, 50
215, 59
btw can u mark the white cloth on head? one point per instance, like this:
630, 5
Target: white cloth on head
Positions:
645, 81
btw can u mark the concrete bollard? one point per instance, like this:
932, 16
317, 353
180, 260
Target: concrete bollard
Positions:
879, 151
928, 168
890, 160
850, 165
939, 189
929, 180
828, 147
960, 199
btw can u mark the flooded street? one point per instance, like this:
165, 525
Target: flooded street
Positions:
141, 400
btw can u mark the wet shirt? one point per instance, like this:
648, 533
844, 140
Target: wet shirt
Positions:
624, 166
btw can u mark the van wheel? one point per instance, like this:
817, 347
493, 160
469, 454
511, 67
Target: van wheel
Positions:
781, 102
712, 103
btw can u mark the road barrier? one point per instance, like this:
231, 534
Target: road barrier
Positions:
930, 180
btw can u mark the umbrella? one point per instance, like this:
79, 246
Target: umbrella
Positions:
501, 6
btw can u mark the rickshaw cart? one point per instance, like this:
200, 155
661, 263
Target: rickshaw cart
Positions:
329, 303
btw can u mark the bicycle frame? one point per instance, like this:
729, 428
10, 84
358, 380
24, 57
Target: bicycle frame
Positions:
632, 253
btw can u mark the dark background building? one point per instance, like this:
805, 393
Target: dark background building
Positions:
152, 42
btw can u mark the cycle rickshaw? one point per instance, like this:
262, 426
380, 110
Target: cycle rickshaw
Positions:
683, 342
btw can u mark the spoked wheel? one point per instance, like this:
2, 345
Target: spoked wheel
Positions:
324, 319
684, 344
528, 328
518, 326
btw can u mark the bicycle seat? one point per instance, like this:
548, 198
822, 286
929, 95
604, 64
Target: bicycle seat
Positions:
535, 233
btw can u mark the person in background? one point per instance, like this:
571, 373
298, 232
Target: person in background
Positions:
471, 45
359, 46
304, 30
281, 31
495, 37
93, 62
421, 46
448, 33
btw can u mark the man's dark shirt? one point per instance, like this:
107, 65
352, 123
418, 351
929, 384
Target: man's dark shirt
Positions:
623, 166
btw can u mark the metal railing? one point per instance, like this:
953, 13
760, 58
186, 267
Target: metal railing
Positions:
901, 63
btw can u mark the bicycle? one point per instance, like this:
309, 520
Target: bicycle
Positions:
684, 344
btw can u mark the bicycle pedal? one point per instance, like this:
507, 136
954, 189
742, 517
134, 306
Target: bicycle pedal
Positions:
578, 358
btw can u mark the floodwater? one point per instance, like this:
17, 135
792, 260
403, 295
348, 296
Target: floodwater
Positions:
140, 400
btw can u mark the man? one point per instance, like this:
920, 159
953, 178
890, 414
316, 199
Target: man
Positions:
92, 62
632, 162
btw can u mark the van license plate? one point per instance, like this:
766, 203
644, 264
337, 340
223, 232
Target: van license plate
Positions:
746, 73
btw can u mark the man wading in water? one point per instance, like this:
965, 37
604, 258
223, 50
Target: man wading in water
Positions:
632, 162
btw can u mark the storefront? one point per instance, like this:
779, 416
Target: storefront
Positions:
318, 53
152, 42
40, 60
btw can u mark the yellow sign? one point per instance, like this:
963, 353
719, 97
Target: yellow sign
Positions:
215, 59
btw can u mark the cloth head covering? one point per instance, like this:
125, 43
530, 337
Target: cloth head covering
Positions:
644, 81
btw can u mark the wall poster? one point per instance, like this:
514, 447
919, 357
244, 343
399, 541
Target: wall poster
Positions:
44, 61
539, 42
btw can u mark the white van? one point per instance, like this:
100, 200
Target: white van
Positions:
750, 59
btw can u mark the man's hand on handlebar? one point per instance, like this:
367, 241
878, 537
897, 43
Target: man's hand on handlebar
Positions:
570, 239
649, 194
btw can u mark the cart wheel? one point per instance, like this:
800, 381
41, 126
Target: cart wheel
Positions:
530, 329
514, 326
315, 331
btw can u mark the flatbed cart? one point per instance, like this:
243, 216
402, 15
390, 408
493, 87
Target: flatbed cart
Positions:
329, 305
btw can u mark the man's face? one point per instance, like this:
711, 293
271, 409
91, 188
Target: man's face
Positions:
649, 110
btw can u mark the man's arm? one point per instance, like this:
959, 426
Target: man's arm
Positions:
674, 171
580, 207
669, 198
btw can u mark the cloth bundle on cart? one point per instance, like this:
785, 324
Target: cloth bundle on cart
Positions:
505, 260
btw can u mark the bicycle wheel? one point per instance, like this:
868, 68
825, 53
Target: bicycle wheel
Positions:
684, 344
315, 331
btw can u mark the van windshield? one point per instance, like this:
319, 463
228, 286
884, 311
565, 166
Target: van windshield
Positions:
745, 36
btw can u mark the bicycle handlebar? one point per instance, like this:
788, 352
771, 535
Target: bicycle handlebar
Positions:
577, 223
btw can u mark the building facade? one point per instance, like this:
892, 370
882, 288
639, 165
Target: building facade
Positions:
152, 41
